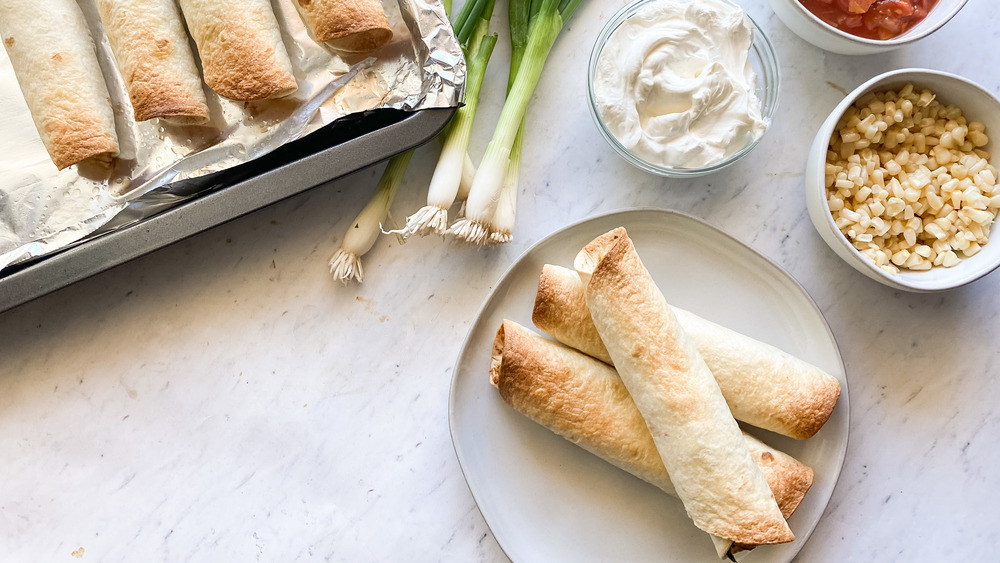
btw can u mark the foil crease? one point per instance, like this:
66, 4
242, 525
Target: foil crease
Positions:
43, 209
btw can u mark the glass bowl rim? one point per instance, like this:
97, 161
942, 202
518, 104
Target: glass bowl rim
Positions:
768, 60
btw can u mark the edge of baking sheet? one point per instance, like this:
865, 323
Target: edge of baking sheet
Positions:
27, 282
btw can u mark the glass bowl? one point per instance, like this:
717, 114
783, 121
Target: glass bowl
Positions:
765, 67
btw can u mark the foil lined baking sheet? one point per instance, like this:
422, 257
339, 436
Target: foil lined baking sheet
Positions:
43, 209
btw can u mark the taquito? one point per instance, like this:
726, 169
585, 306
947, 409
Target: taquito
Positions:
699, 442
584, 400
357, 26
155, 60
56, 66
764, 386
242, 55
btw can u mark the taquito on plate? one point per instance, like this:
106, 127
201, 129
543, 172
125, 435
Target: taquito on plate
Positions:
357, 26
154, 57
764, 386
53, 57
242, 55
584, 400
703, 449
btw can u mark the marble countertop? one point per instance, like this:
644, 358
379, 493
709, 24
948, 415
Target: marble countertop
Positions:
224, 399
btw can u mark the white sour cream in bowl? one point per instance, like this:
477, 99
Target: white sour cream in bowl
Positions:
674, 86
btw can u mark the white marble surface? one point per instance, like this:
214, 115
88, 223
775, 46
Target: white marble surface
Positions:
225, 399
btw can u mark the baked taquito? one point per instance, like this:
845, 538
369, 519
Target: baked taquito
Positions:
357, 26
764, 386
242, 55
703, 449
154, 57
54, 60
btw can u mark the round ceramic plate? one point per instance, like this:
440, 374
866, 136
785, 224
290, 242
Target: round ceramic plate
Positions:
544, 498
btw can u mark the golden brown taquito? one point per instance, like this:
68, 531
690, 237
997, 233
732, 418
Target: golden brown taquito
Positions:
699, 441
357, 26
584, 400
154, 57
242, 55
54, 60
764, 386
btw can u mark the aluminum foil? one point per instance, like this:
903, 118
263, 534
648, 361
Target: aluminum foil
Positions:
43, 209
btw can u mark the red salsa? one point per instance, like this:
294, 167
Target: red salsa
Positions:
873, 19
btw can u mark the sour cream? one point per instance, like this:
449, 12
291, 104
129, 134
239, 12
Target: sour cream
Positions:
674, 84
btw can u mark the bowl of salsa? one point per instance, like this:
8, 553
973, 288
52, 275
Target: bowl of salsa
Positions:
862, 27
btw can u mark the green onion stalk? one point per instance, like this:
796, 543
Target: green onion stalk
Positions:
546, 22
468, 173
367, 226
445, 185
519, 18
469, 167
346, 264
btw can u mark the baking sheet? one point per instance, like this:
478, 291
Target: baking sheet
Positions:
342, 147
43, 209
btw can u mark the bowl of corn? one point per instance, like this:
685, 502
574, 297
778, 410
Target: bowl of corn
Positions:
900, 182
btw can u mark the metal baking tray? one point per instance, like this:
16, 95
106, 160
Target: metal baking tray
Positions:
344, 146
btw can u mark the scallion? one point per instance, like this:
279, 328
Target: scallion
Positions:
518, 19
447, 179
546, 21
367, 226
468, 174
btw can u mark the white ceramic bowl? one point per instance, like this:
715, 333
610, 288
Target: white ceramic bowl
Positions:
766, 70
977, 104
825, 36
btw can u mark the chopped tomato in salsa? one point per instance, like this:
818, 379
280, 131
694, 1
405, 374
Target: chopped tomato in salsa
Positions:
873, 19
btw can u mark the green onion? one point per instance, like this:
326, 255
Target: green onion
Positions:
502, 225
546, 21
518, 18
367, 226
468, 174
446, 182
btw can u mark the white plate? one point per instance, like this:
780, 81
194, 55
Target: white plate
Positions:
548, 500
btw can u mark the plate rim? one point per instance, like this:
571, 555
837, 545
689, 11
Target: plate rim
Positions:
625, 212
